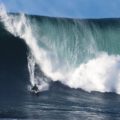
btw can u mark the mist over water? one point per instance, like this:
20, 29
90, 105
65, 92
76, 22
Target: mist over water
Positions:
79, 53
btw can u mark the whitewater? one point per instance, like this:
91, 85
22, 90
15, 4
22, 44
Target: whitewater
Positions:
67, 51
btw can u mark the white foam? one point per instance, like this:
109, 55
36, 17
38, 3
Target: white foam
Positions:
99, 74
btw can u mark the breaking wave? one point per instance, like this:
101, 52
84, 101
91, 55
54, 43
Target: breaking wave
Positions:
79, 53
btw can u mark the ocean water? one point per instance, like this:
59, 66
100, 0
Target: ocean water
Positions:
75, 64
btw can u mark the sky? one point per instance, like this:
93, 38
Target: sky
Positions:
66, 8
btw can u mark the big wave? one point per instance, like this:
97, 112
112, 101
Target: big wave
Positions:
79, 53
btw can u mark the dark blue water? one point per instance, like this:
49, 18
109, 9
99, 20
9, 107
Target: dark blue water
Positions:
58, 103
61, 103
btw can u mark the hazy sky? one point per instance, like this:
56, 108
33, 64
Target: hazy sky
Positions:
66, 8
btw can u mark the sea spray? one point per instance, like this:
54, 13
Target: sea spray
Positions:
35, 78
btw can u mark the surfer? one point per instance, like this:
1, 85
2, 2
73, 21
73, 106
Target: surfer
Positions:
35, 89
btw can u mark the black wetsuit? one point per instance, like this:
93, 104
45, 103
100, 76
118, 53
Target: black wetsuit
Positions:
35, 88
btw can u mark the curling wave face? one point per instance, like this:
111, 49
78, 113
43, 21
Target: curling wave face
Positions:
79, 53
